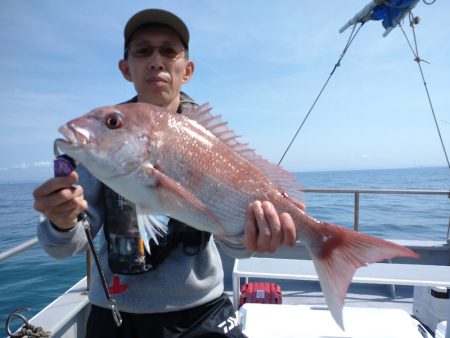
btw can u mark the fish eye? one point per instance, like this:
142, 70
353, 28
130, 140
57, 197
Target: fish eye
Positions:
113, 121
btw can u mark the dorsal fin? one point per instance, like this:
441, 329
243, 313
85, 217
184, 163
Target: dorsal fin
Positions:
284, 179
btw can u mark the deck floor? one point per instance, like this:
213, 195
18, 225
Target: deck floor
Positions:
359, 295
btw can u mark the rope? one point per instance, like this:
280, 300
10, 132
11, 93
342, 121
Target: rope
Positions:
338, 63
27, 330
413, 21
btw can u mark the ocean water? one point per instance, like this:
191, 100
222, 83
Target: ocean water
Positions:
33, 279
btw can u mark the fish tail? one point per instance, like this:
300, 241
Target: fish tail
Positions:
337, 253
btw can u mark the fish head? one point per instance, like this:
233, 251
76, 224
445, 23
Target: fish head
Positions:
109, 141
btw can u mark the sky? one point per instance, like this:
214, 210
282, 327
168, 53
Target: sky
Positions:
260, 64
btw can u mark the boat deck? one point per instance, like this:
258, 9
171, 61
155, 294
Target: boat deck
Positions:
373, 287
75, 305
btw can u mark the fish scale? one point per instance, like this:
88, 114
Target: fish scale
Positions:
215, 175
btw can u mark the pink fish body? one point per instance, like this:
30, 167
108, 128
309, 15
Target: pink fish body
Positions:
190, 167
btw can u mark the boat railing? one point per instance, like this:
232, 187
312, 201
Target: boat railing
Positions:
356, 192
18, 249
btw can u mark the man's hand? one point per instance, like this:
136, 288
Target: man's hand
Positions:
265, 230
60, 201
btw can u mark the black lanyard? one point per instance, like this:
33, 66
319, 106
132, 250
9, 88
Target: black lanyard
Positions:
63, 166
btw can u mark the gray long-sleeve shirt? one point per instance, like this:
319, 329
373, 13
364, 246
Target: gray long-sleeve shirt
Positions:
182, 281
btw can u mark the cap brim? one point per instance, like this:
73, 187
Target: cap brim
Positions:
157, 16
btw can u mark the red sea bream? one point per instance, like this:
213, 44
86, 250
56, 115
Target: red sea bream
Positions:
192, 168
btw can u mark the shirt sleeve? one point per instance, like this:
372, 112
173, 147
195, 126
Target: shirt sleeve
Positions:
62, 244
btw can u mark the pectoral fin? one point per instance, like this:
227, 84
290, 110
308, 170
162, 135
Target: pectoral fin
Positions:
176, 201
150, 226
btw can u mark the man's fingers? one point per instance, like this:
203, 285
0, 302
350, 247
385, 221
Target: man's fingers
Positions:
274, 226
257, 231
265, 230
57, 198
60, 200
250, 230
66, 214
263, 227
289, 229
54, 184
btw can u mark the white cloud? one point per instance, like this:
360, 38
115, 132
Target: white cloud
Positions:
25, 166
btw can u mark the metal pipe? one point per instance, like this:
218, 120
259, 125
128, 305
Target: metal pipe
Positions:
379, 191
357, 193
356, 219
361, 16
18, 249
447, 329
448, 228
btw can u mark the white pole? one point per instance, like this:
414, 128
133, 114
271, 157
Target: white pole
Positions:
17, 249
447, 330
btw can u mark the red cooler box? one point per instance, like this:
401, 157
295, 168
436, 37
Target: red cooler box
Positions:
263, 293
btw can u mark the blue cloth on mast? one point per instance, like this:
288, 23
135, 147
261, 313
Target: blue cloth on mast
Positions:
392, 12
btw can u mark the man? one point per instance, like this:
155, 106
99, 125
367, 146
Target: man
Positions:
178, 290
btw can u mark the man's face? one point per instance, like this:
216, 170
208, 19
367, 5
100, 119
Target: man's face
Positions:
157, 75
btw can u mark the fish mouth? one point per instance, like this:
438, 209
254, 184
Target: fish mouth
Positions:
74, 137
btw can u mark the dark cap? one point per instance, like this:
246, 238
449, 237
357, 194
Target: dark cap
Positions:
157, 16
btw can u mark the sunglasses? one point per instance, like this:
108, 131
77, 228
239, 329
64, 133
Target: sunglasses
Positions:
142, 50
